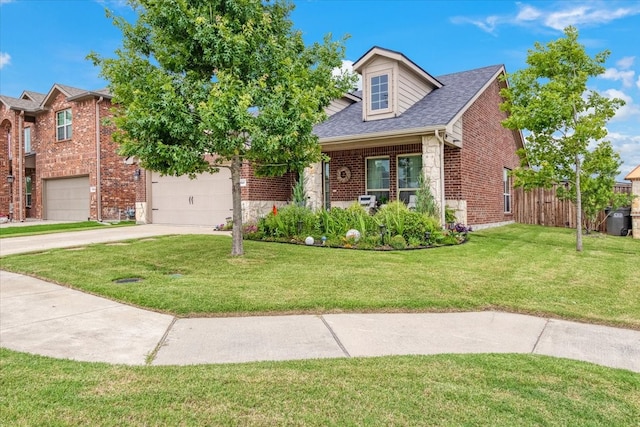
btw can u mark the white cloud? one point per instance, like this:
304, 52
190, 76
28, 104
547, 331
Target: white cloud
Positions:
527, 13
5, 1
488, 25
587, 15
561, 16
347, 67
5, 58
638, 82
628, 110
626, 62
614, 74
628, 146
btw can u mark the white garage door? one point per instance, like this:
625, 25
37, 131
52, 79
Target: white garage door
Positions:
67, 199
205, 200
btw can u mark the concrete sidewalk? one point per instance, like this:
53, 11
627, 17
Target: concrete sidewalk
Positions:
43, 318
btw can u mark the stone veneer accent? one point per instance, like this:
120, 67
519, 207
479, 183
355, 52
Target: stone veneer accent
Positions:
313, 186
432, 168
252, 210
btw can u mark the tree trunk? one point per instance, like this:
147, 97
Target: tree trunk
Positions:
578, 206
237, 247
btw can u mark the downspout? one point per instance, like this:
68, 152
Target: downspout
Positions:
20, 177
98, 169
443, 204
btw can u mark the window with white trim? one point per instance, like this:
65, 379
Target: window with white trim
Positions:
63, 125
27, 190
377, 171
27, 139
506, 182
380, 92
409, 169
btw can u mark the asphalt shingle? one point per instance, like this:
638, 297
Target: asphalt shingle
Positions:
437, 108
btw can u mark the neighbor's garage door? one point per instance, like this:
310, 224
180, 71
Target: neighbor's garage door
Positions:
205, 200
67, 199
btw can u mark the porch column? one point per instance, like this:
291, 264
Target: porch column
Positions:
433, 169
313, 185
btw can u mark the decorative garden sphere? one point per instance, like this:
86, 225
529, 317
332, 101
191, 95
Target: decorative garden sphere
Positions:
309, 241
353, 234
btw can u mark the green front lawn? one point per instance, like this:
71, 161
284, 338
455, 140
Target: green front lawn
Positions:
495, 390
518, 268
28, 230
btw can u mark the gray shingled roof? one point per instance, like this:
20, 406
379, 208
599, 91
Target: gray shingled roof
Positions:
20, 104
437, 108
36, 96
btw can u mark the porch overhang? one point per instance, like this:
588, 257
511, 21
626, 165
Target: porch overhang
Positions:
377, 139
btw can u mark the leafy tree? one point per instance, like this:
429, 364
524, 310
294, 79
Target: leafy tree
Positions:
600, 168
550, 99
205, 84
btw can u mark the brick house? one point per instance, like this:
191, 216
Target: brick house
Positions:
405, 123
57, 158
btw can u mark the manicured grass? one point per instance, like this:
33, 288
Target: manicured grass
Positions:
518, 268
491, 390
27, 230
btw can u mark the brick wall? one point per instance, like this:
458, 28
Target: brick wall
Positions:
267, 188
77, 157
488, 148
355, 161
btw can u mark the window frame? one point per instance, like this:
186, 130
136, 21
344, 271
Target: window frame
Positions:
412, 190
507, 200
366, 178
66, 126
380, 109
28, 191
26, 137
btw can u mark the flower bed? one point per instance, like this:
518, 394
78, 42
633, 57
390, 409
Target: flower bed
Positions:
392, 227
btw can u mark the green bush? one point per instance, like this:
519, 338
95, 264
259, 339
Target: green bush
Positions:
398, 242
338, 221
411, 225
290, 221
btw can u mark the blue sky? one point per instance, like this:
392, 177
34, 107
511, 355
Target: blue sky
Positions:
43, 42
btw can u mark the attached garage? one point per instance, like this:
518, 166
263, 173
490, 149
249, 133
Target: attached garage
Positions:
205, 200
67, 199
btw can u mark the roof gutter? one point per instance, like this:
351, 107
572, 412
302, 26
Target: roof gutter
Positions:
378, 135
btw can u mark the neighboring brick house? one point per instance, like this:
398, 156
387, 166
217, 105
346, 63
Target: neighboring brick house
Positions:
59, 155
406, 123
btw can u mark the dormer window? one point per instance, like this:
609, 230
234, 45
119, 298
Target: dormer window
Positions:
380, 92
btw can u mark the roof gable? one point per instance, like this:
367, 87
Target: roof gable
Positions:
20, 104
72, 93
634, 174
436, 110
396, 56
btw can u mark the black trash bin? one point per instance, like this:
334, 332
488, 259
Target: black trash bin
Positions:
618, 221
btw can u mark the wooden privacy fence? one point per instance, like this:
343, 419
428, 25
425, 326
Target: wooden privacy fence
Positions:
542, 207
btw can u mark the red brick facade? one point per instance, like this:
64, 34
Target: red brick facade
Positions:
355, 161
475, 172
267, 188
77, 156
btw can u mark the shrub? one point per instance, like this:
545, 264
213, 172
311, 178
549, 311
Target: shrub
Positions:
291, 220
425, 202
398, 242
